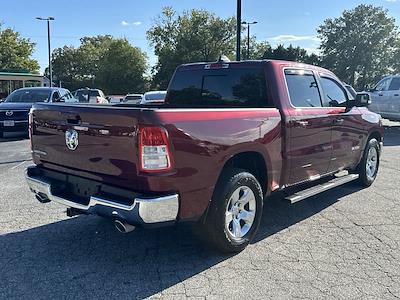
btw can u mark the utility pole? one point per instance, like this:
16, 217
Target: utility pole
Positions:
248, 36
239, 28
48, 19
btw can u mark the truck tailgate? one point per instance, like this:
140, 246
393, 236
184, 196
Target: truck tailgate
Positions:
106, 139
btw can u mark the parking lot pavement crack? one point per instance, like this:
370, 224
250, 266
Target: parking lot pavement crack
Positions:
390, 292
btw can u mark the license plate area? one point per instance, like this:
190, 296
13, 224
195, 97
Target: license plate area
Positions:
9, 123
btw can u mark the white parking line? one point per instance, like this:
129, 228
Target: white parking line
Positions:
20, 164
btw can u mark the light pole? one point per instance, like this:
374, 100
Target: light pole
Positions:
48, 19
238, 28
248, 36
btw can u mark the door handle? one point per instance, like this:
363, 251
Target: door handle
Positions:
74, 120
338, 121
302, 123
380, 95
396, 95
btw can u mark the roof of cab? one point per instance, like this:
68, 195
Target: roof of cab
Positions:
274, 62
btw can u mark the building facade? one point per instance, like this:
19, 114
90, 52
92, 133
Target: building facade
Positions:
12, 80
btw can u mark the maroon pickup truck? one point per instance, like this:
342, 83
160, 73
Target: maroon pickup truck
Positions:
228, 135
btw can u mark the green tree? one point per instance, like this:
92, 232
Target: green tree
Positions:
104, 62
122, 68
359, 46
291, 53
16, 52
194, 36
257, 49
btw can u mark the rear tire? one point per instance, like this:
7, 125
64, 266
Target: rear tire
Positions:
369, 164
235, 211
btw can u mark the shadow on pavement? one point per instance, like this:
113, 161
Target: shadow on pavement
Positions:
279, 214
85, 257
13, 137
392, 135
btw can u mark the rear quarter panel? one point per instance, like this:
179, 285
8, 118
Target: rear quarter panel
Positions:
203, 140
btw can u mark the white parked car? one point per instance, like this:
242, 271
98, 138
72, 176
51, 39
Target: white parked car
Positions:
90, 96
386, 98
154, 97
133, 98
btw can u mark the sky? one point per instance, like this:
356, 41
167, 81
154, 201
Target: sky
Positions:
279, 22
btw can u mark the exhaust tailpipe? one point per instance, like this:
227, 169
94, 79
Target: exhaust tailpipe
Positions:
123, 227
42, 198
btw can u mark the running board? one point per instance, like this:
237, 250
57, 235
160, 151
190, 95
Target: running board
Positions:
321, 188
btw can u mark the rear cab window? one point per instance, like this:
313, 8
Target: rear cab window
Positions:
219, 85
94, 94
303, 88
82, 96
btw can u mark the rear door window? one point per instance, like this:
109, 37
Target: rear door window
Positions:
303, 88
395, 84
225, 87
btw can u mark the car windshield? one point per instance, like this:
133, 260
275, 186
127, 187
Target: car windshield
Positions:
155, 96
29, 96
133, 98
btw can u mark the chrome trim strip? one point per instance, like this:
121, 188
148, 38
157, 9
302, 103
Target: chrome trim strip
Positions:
15, 122
151, 210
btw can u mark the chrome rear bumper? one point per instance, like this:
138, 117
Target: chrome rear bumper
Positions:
146, 210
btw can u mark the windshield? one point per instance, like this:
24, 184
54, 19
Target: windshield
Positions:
29, 96
155, 96
133, 98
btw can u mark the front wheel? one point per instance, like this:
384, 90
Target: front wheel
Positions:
369, 165
235, 211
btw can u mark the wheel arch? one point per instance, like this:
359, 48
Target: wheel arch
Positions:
252, 161
375, 134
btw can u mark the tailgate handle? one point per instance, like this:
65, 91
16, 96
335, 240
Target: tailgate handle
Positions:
76, 120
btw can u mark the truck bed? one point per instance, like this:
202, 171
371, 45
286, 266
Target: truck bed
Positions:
202, 140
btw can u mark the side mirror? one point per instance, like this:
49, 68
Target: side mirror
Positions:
363, 99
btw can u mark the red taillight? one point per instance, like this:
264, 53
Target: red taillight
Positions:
154, 150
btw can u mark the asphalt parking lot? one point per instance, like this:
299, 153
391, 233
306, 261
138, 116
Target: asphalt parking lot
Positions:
342, 244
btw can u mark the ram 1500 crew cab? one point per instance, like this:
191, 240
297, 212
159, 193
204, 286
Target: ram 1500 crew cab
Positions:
228, 135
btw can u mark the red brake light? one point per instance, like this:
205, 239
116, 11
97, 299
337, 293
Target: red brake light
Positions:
154, 150
216, 66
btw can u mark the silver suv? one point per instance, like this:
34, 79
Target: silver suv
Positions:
386, 98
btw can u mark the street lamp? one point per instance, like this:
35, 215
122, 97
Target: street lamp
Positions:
238, 28
248, 36
48, 19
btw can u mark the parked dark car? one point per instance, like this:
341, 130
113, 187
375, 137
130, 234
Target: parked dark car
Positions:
15, 109
228, 135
